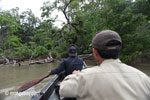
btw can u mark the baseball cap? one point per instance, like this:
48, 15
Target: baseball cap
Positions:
72, 51
101, 39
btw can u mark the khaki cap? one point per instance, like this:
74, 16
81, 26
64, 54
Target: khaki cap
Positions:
101, 39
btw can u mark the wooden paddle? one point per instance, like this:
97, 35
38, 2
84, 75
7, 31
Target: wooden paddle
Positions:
36, 81
32, 83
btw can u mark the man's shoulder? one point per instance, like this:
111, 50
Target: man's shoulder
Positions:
85, 72
133, 69
91, 70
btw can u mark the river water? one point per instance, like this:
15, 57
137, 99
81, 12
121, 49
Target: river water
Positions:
13, 76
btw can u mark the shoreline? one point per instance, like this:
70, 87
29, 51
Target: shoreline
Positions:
40, 60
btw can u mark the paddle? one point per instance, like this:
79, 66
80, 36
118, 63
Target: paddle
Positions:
32, 83
36, 81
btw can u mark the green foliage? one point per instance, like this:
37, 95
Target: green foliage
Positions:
8, 23
8, 27
23, 52
28, 23
40, 50
61, 49
48, 43
143, 7
54, 54
119, 15
26, 35
1, 52
15, 41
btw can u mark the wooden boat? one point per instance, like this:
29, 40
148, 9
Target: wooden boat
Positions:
50, 91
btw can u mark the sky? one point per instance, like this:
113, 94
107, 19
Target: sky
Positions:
34, 5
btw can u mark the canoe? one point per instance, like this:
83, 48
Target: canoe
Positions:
50, 91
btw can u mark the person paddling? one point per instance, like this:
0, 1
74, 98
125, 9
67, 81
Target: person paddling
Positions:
68, 65
73, 62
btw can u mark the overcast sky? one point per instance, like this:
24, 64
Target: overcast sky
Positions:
34, 5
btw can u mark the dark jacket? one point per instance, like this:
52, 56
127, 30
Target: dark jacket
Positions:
69, 65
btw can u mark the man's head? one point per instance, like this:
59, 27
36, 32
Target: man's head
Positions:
72, 51
107, 43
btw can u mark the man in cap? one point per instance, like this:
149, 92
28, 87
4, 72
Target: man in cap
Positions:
111, 79
73, 62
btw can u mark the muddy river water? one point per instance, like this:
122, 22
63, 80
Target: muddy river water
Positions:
13, 76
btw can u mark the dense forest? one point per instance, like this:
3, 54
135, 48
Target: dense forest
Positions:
23, 35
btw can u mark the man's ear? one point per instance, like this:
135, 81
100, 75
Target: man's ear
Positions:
97, 56
95, 53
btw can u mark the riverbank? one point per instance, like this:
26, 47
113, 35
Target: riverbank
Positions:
39, 60
142, 59
19, 62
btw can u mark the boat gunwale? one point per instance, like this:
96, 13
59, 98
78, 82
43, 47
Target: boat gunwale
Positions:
46, 92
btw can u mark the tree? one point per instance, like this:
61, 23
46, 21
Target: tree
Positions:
83, 19
86, 17
8, 27
28, 23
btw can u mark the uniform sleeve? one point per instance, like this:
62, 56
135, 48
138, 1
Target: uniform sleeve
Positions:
146, 85
59, 69
147, 82
71, 86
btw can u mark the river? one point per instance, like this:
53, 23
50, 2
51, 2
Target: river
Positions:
13, 76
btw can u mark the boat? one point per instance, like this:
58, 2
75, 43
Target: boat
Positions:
50, 91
